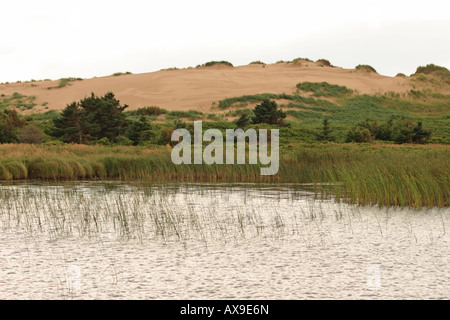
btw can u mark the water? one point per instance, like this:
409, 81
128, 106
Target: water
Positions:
190, 241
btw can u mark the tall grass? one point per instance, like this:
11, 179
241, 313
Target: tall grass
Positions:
402, 176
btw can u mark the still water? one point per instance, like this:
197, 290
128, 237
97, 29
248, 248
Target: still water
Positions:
192, 241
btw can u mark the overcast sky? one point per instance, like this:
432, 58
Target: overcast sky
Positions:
54, 39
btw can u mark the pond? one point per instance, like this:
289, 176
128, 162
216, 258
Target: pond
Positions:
214, 241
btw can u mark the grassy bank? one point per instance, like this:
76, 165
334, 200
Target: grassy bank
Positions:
407, 176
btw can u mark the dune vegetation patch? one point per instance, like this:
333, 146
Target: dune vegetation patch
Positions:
18, 101
214, 63
64, 82
365, 68
117, 74
324, 63
432, 70
257, 62
324, 89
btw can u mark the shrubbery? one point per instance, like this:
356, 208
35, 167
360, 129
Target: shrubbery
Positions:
402, 131
10, 125
268, 112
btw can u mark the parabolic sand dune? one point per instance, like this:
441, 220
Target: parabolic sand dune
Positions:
199, 88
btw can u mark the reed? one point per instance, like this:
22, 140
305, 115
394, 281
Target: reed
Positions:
405, 176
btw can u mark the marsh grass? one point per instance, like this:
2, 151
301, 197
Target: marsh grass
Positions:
199, 214
366, 175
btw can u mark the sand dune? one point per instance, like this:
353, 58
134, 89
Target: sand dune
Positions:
184, 89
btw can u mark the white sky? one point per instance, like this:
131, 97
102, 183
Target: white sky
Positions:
54, 39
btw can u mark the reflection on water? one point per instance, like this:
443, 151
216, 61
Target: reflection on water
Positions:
190, 241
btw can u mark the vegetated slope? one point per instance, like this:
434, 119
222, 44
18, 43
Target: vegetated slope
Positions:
200, 88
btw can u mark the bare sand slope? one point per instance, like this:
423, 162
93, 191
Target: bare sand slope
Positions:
198, 88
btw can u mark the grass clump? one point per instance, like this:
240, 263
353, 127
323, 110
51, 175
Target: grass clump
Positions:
116, 74
324, 63
324, 89
257, 62
213, 63
300, 60
64, 82
18, 101
151, 111
191, 114
365, 68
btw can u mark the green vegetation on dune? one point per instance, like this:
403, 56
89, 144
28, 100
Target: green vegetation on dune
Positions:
212, 63
116, 74
64, 82
432, 69
324, 63
18, 101
365, 68
324, 89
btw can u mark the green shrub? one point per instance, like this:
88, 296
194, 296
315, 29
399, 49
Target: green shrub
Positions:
359, 134
267, 112
151, 111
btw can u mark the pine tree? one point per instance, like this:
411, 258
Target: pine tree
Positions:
326, 131
420, 135
103, 117
243, 121
91, 119
68, 125
139, 131
267, 112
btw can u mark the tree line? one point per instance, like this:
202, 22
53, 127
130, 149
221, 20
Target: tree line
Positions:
102, 120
